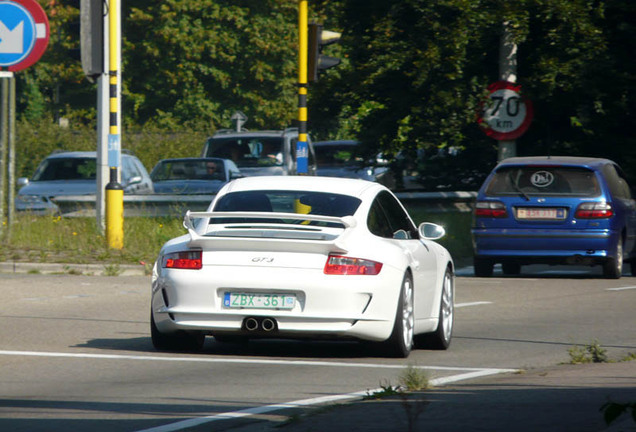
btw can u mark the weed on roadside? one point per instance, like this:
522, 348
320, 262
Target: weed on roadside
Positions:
112, 270
72, 271
386, 389
628, 357
591, 353
413, 379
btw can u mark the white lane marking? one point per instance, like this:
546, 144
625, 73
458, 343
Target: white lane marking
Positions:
228, 360
479, 303
622, 288
184, 424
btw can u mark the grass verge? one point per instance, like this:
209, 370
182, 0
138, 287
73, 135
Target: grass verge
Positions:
77, 240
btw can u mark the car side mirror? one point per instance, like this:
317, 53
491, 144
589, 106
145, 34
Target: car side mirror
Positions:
23, 181
431, 231
133, 180
235, 175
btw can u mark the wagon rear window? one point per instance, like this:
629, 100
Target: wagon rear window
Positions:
549, 180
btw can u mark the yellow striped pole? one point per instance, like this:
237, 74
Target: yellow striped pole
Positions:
114, 190
302, 150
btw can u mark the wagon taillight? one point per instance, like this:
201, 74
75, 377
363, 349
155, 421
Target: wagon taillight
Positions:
594, 210
490, 209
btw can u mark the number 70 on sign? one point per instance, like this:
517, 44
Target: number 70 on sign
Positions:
505, 114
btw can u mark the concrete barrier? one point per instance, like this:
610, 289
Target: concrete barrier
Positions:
176, 205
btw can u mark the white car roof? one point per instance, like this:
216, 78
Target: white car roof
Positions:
345, 186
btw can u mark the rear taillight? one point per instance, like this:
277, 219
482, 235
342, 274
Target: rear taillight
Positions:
594, 210
490, 209
344, 265
188, 260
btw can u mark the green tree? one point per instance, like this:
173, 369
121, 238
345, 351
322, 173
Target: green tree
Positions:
198, 62
416, 72
412, 76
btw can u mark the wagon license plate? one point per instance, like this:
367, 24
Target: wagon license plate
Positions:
234, 300
541, 213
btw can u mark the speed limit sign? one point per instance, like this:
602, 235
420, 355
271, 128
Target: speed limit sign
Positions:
505, 114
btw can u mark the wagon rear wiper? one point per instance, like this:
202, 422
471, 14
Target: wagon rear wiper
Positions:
517, 188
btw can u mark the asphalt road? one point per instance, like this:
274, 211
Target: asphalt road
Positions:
75, 351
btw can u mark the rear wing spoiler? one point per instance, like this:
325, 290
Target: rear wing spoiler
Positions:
200, 237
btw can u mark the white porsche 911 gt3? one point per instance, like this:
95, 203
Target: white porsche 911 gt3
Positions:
304, 257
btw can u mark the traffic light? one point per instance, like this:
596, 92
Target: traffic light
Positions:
92, 37
316, 61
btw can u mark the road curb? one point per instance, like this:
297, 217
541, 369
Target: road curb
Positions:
70, 268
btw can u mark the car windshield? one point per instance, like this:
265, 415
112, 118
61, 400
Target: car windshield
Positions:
249, 152
66, 169
317, 203
544, 180
195, 169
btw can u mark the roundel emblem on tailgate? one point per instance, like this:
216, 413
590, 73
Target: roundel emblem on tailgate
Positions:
542, 179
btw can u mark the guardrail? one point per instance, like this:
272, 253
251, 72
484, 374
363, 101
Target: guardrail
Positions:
176, 205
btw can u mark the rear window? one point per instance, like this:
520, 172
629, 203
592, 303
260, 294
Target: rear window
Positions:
338, 155
189, 169
66, 169
248, 152
545, 181
318, 203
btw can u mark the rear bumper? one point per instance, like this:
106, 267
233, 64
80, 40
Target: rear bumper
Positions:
544, 245
360, 307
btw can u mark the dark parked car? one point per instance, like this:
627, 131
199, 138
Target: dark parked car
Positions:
556, 210
193, 175
343, 158
74, 173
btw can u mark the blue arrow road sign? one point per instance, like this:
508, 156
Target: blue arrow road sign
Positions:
17, 33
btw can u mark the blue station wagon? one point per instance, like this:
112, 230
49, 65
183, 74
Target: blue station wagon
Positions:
554, 210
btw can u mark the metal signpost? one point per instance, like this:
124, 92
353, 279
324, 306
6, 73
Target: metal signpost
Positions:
24, 36
506, 115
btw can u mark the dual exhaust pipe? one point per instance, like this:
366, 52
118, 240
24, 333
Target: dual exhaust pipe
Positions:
252, 324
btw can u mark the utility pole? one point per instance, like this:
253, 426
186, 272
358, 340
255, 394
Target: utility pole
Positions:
7, 151
4, 143
103, 125
507, 72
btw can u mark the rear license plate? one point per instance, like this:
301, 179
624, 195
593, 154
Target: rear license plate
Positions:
234, 300
541, 213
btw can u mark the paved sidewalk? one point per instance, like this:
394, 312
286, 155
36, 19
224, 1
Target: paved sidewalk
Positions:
557, 399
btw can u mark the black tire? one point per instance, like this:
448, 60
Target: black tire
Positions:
441, 338
401, 341
511, 268
613, 267
180, 341
483, 267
